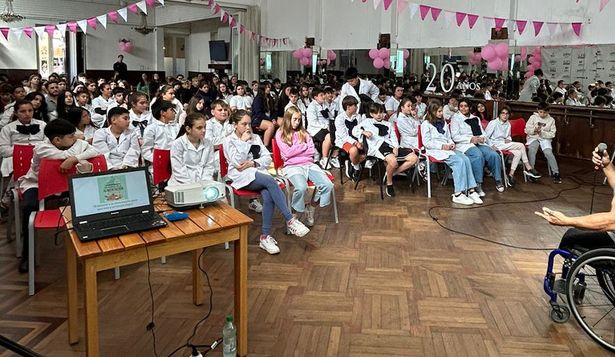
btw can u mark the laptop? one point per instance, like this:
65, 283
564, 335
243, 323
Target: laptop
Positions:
112, 203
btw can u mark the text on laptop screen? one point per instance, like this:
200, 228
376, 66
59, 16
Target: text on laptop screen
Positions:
110, 193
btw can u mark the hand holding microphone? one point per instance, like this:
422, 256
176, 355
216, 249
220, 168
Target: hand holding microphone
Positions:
600, 157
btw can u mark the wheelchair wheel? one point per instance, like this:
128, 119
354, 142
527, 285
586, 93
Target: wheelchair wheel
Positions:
590, 291
560, 314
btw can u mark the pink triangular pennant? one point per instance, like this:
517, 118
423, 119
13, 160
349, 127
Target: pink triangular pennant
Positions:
210, 3
472, 20
113, 16
376, 3
387, 4
414, 8
92, 22
402, 5
72, 26
537, 27
435, 13
142, 6
603, 3
499, 23
5, 32
424, 9
460, 16
576, 27
50, 29
123, 12
150, 3
133, 8
61, 28
521, 26
232, 22
28, 31
242, 28
217, 9
224, 17
552, 26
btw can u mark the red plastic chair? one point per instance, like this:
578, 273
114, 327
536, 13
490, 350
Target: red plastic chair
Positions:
517, 129
278, 162
162, 166
232, 192
22, 160
55, 182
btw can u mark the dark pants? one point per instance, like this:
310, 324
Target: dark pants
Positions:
585, 240
29, 204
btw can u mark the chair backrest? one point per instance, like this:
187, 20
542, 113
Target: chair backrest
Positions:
223, 163
419, 137
517, 127
161, 165
56, 182
22, 159
396, 130
278, 162
99, 163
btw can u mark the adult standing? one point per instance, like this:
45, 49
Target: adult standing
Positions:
356, 86
120, 68
530, 88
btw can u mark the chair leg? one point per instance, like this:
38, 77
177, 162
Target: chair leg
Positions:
116, 273
18, 218
335, 214
31, 254
428, 174
506, 183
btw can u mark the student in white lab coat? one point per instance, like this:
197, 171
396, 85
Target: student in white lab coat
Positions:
80, 118
101, 103
167, 92
356, 86
248, 159
408, 124
393, 102
240, 100
345, 122
318, 116
161, 133
118, 142
140, 116
192, 155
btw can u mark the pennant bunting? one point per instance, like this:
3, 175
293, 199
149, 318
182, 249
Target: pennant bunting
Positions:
50, 29
387, 4
424, 9
113, 16
161, 2
487, 23
552, 26
472, 20
499, 23
5, 32
133, 8
28, 31
537, 27
150, 3
576, 27
460, 16
521, 26
83, 25
61, 28
402, 5
103, 20
564, 26
224, 17
92, 22
435, 13
40, 31
217, 9
376, 3
232, 23
123, 12
603, 3
242, 28
72, 26
142, 6
414, 8
17, 32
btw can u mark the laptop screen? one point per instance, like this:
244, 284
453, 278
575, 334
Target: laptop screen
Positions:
110, 192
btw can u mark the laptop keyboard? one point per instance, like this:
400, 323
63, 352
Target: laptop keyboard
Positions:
142, 220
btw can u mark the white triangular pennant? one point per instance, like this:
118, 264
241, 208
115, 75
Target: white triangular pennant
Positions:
102, 19
488, 23
449, 17
83, 25
123, 13
40, 30
143, 6
376, 3
161, 2
552, 26
61, 29
17, 32
414, 8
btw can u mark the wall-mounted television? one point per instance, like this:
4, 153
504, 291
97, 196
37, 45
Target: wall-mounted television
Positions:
218, 51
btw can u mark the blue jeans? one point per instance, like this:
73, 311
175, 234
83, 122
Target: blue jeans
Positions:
481, 154
272, 197
463, 178
324, 187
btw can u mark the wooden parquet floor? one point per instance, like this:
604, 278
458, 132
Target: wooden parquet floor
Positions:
385, 281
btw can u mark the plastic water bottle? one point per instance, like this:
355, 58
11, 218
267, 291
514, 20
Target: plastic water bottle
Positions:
229, 338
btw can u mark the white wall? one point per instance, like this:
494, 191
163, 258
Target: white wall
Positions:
197, 43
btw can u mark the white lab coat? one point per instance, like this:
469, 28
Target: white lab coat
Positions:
118, 152
237, 151
315, 120
158, 135
9, 136
391, 104
342, 134
497, 133
190, 164
100, 103
433, 141
146, 118
449, 111
241, 102
461, 132
408, 131
375, 142
365, 87
216, 132
529, 89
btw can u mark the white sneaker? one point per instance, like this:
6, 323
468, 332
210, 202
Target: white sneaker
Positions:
335, 162
462, 199
255, 206
323, 163
369, 164
309, 215
475, 197
270, 245
297, 228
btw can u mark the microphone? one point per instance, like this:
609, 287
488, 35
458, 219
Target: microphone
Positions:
601, 148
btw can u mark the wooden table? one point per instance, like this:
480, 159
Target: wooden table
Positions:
215, 224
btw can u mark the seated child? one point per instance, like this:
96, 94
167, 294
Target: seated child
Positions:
345, 122
297, 151
408, 123
161, 132
80, 118
382, 143
62, 145
118, 142
318, 116
540, 129
192, 155
140, 116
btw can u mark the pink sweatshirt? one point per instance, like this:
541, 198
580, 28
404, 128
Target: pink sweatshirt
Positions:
297, 154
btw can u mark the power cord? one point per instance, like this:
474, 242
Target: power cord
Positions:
151, 326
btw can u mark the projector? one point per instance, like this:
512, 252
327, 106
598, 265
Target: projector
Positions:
194, 194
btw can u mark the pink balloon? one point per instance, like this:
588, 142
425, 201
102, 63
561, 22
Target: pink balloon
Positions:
536, 50
384, 53
305, 61
307, 52
406, 54
387, 63
331, 56
488, 53
378, 63
504, 66
298, 53
128, 47
496, 64
537, 58
501, 49
373, 53
524, 52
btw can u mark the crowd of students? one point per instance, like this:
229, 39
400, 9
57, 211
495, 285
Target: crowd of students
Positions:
311, 123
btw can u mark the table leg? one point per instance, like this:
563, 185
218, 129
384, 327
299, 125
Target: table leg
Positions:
241, 291
71, 276
91, 309
197, 279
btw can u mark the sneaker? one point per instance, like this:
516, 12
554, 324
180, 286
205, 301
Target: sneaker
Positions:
390, 191
255, 206
369, 164
463, 199
557, 178
349, 170
475, 198
323, 163
297, 228
356, 174
511, 181
532, 173
270, 245
334, 162
422, 168
479, 190
309, 215
499, 186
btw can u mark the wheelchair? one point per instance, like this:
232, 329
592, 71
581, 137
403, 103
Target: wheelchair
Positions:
587, 280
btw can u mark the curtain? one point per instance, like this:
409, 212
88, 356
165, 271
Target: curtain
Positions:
250, 49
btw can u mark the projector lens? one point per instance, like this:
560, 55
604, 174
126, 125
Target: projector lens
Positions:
211, 193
